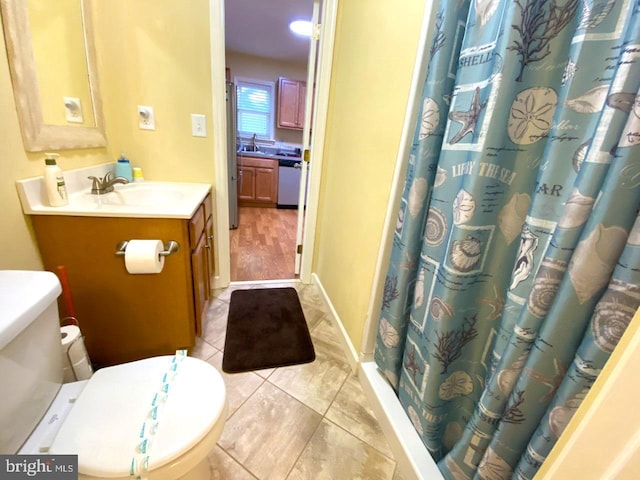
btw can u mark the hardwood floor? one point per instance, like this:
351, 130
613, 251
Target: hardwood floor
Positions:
263, 245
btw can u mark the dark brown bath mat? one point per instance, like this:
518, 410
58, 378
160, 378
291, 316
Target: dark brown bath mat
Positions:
266, 328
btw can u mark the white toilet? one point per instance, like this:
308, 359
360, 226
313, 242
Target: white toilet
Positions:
156, 418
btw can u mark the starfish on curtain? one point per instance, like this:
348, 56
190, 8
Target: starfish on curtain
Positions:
409, 263
551, 381
468, 118
496, 304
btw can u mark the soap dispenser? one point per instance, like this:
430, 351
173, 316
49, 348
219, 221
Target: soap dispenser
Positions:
123, 168
54, 182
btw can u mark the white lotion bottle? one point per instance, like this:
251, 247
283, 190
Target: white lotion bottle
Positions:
54, 182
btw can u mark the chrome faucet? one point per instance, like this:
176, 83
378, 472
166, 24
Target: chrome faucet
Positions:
105, 184
253, 143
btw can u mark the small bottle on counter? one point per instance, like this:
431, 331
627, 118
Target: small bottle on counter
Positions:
123, 168
54, 181
137, 174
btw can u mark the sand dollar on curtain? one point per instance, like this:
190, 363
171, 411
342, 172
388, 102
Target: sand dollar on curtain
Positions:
516, 263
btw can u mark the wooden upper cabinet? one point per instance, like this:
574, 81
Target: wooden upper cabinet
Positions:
291, 103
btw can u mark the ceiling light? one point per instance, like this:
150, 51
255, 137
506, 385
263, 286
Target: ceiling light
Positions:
301, 27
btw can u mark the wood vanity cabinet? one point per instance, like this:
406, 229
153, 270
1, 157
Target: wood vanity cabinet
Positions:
126, 317
257, 181
291, 103
202, 259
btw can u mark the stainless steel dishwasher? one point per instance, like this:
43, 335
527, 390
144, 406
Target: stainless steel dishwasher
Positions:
289, 171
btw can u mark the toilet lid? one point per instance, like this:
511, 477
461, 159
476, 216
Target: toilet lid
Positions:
104, 428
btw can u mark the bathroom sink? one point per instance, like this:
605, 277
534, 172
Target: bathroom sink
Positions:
149, 199
140, 195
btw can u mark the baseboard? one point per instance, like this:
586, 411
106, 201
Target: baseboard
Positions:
347, 346
283, 281
412, 457
218, 283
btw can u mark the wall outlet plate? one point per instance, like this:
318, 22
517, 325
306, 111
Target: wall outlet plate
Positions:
146, 118
73, 109
198, 125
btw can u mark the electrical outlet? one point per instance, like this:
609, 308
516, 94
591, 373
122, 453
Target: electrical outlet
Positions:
146, 118
198, 125
73, 109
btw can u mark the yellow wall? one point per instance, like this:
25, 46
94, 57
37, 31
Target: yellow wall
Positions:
258, 68
156, 53
373, 64
17, 245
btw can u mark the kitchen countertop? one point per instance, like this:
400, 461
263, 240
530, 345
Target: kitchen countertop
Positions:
267, 155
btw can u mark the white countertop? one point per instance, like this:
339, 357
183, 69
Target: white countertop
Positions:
149, 199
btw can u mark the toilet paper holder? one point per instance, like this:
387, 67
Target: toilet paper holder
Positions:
169, 248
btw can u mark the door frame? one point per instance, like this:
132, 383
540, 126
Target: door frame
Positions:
221, 190
309, 100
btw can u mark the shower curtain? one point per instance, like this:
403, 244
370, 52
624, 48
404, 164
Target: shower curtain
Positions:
515, 265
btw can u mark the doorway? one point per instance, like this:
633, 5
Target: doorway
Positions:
325, 48
267, 64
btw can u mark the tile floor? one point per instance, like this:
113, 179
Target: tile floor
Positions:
307, 421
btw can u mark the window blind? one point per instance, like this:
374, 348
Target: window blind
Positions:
254, 103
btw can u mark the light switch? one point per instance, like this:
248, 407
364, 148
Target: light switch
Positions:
147, 120
73, 109
198, 125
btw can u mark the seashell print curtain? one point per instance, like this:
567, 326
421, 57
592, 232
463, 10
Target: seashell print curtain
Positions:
515, 267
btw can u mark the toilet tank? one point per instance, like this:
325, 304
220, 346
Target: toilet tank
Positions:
30, 352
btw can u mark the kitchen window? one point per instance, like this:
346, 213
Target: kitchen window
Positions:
255, 108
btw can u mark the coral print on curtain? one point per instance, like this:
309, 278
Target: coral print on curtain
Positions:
515, 267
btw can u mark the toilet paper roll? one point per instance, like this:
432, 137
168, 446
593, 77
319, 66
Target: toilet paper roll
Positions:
143, 256
82, 370
69, 334
76, 363
77, 353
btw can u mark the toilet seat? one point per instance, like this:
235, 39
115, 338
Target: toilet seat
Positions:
104, 428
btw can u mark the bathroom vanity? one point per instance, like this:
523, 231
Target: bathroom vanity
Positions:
123, 316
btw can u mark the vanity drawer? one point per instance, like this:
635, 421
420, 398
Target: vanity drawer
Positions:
196, 226
207, 207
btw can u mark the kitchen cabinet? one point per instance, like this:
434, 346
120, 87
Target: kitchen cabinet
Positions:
126, 317
257, 181
291, 103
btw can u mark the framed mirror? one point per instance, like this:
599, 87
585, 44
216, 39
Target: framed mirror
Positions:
53, 71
